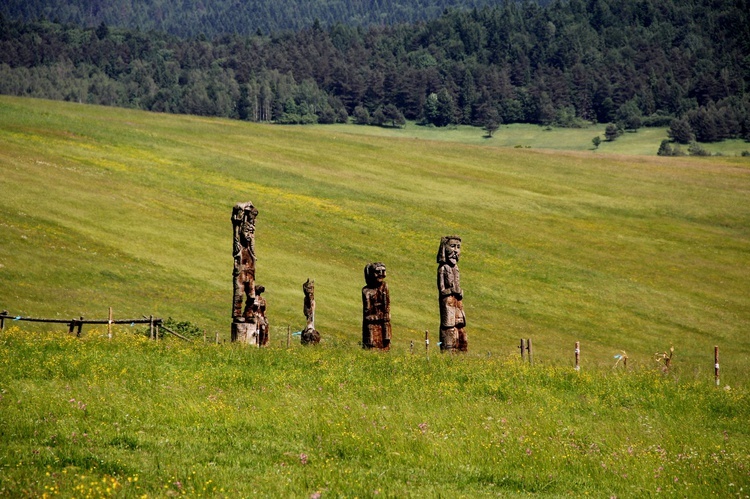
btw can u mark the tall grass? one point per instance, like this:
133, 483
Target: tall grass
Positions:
129, 417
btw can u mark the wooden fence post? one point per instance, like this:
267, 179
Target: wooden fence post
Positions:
716, 365
411, 347
288, 336
109, 324
3, 315
204, 336
151, 327
80, 327
522, 350
530, 351
217, 337
427, 342
578, 355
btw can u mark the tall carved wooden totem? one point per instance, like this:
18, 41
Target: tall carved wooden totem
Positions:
248, 324
452, 318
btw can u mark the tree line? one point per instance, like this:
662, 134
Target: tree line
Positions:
629, 62
190, 18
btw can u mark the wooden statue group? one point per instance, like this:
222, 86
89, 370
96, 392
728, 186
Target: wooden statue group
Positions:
250, 324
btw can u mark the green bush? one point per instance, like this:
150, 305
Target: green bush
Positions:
185, 328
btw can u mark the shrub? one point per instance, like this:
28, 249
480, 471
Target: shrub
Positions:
361, 116
612, 132
665, 148
696, 149
185, 328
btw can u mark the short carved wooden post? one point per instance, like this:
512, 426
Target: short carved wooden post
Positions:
716, 365
578, 355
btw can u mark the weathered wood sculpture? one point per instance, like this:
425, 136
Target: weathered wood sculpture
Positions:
261, 317
310, 336
376, 309
452, 318
244, 323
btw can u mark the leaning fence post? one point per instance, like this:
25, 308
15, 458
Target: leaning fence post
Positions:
578, 355
716, 365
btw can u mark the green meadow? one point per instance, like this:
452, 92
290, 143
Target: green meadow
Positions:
623, 252
644, 142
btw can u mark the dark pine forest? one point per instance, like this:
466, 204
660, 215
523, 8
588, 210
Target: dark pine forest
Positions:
632, 63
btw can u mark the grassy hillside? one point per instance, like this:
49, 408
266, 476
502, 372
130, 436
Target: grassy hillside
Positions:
109, 207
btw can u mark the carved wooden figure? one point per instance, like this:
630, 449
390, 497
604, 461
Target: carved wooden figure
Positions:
243, 252
308, 288
452, 318
245, 326
310, 336
261, 318
376, 308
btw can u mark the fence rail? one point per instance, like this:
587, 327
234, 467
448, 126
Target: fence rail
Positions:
156, 323
77, 323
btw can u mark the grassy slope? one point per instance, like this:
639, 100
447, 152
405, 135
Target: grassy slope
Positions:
113, 207
107, 206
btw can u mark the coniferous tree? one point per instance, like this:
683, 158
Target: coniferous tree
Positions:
680, 131
612, 132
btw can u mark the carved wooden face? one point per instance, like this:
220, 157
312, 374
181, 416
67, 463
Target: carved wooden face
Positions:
374, 274
248, 227
453, 251
379, 273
